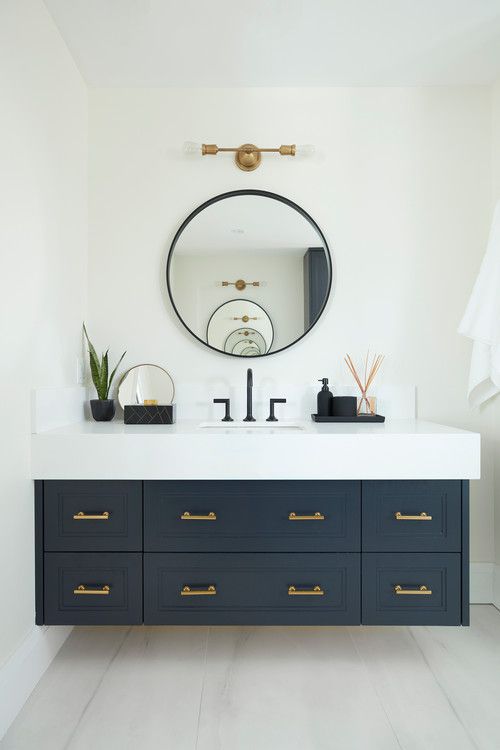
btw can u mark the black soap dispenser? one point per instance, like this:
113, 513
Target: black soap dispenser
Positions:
325, 398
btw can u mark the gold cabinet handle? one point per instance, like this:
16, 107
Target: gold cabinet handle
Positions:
421, 517
245, 318
208, 591
187, 516
81, 516
421, 591
316, 517
314, 591
81, 589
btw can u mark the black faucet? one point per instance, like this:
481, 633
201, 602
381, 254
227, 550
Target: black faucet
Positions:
249, 417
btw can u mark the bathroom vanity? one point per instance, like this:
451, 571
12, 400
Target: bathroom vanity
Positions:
306, 524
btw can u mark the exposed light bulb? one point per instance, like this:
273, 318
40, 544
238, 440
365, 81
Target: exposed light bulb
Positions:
304, 150
190, 147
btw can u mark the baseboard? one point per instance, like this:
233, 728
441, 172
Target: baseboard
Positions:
20, 674
496, 586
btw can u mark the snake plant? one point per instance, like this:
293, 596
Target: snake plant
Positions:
99, 369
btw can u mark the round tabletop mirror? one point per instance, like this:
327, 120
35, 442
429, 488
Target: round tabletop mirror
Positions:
249, 265
146, 383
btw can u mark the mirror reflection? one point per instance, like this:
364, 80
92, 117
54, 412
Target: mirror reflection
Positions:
249, 273
237, 322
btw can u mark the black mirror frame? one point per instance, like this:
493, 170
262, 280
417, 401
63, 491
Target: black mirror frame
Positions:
264, 194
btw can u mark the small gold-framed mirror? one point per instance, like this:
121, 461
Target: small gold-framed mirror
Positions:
146, 384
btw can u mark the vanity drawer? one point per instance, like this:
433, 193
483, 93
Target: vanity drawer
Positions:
412, 516
91, 515
254, 516
110, 586
393, 592
244, 589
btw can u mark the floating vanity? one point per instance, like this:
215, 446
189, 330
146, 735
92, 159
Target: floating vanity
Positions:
318, 524
248, 522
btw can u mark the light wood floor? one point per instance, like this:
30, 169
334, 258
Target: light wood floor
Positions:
269, 689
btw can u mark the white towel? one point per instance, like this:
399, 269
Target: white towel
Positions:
481, 322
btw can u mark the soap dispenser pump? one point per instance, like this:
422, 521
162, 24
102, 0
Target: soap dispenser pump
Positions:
325, 398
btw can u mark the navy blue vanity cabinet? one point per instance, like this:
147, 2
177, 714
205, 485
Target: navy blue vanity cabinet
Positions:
256, 516
415, 554
90, 516
252, 552
93, 588
416, 516
414, 588
246, 589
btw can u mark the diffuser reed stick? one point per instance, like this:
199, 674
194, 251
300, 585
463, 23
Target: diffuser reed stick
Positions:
369, 377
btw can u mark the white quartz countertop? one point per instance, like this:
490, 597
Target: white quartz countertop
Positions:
396, 449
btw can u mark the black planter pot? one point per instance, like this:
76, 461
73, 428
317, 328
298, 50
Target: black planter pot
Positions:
103, 410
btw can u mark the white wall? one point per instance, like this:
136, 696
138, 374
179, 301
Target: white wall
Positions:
43, 238
495, 132
495, 406
401, 186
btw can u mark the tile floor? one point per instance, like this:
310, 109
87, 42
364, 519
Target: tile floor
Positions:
269, 689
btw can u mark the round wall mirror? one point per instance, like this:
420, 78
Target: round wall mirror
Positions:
249, 266
146, 383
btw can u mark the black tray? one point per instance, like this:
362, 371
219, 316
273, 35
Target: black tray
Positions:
359, 418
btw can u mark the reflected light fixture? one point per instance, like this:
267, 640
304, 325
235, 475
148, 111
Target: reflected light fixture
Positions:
247, 157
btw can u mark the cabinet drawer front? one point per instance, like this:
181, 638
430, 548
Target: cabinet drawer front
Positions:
411, 589
255, 516
244, 588
90, 515
415, 516
93, 589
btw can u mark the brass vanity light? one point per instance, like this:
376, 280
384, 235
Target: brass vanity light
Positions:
248, 156
240, 284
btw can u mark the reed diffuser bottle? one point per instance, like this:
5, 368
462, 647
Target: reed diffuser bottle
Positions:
366, 404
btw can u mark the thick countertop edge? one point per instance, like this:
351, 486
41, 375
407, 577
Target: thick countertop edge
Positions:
87, 452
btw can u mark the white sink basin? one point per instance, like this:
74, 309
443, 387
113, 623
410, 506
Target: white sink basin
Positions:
237, 425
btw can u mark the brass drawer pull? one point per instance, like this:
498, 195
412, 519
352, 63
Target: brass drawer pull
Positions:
187, 516
421, 591
421, 517
316, 517
315, 591
188, 591
81, 516
104, 591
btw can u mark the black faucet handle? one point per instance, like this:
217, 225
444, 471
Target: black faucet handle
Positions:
272, 402
227, 416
